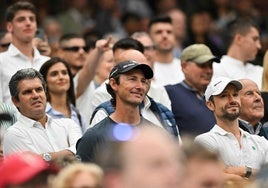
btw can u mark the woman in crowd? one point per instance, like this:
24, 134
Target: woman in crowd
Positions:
60, 91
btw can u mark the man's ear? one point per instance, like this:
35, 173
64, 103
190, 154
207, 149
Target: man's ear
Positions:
210, 105
113, 84
15, 101
9, 27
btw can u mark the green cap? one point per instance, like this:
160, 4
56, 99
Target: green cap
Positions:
199, 53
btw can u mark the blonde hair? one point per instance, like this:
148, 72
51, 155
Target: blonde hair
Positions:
264, 85
66, 176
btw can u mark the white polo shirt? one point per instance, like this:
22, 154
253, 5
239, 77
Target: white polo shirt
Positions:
29, 135
253, 153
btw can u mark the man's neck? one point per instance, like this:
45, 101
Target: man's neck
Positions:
228, 125
164, 57
127, 114
25, 48
235, 53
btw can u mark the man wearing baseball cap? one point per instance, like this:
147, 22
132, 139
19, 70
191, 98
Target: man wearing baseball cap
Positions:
242, 153
187, 97
128, 85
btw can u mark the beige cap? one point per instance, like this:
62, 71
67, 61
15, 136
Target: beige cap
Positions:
199, 53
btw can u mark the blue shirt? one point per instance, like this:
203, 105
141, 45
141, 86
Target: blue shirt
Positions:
74, 115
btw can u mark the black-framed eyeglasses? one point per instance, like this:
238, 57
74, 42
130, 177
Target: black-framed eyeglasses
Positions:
5, 45
76, 48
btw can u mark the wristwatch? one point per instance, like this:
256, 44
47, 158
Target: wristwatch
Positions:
249, 172
47, 157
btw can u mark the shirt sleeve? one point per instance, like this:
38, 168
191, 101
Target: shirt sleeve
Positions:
74, 133
14, 141
208, 141
99, 115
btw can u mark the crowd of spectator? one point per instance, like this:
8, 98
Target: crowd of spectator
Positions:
123, 93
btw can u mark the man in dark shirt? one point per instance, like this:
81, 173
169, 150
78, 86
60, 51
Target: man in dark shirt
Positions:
187, 97
128, 85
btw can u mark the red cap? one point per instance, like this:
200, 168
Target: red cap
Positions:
19, 168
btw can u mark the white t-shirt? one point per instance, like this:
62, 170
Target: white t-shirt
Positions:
168, 73
236, 69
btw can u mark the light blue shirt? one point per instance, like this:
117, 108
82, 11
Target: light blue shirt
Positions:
74, 116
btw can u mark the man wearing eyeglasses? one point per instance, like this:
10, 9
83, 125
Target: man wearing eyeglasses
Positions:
22, 24
73, 49
5, 40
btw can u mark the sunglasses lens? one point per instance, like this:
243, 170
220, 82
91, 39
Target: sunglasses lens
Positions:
76, 48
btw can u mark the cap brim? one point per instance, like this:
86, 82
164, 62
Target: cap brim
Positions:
206, 58
147, 71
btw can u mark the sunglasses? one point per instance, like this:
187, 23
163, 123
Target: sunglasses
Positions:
5, 45
152, 47
76, 48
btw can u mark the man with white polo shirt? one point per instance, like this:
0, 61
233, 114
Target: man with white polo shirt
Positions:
242, 153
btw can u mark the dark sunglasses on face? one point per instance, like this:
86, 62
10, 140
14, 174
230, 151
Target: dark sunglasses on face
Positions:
152, 47
76, 48
5, 45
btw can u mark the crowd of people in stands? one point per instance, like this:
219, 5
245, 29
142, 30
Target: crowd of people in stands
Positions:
171, 98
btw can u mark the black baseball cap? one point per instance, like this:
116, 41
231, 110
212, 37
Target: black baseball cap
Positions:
126, 66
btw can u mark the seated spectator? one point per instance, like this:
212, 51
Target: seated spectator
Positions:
35, 131
242, 153
128, 85
60, 91
252, 109
264, 87
187, 97
145, 156
79, 175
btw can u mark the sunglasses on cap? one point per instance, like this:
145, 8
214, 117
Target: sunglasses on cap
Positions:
5, 45
76, 48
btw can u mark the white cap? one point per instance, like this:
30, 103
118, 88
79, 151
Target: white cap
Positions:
218, 84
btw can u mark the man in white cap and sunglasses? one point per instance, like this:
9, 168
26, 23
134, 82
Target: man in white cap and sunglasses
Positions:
242, 153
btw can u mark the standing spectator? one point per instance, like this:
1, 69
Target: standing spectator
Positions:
242, 153
252, 108
244, 43
5, 40
128, 85
21, 23
179, 24
167, 68
36, 131
73, 50
187, 97
60, 91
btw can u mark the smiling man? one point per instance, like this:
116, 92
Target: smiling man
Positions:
35, 131
241, 152
128, 85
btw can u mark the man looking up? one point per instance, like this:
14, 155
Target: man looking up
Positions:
128, 85
241, 152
